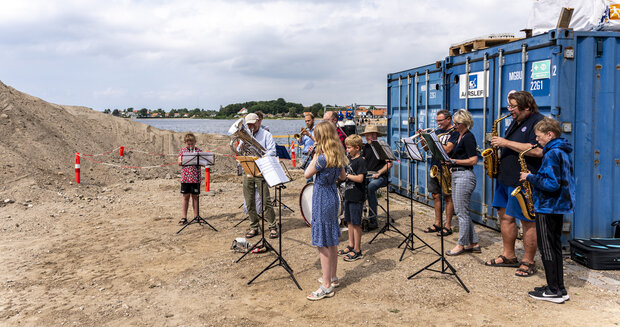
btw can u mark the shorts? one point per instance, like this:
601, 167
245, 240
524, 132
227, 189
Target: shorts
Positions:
433, 185
353, 212
190, 188
503, 199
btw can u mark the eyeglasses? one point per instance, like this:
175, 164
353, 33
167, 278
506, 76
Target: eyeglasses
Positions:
440, 120
512, 107
457, 123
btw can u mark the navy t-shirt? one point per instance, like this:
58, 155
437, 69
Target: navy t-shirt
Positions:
465, 149
355, 192
509, 167
451, 137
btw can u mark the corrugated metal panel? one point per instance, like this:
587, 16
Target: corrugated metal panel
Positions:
574, 77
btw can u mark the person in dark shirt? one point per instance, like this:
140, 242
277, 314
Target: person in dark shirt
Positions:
464, 158
378, 169
354, 197
447, 136
519, 137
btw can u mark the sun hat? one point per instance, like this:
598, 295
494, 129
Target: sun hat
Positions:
371, 129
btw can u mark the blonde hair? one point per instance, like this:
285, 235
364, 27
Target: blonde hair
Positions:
328, 143
354, 141
464, 117
549, 125
189, 137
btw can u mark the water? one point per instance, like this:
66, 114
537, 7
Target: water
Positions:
220, 126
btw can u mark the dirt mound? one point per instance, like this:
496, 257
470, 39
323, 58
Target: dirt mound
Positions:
39, 140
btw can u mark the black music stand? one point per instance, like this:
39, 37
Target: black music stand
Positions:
277, 182
440, 155
414, 155
383, 152
198, 159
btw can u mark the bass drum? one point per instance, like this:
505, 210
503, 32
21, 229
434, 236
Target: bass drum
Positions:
305, 203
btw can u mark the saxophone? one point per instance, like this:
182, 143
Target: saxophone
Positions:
446, 176
490, 156
523, 193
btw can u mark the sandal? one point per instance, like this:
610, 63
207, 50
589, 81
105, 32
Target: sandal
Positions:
475, 249
445, 232
352, 256
321, 293
183, 221
527, 272
251, 233
512, 262
432, 229
273, 233
345, 251
335, 282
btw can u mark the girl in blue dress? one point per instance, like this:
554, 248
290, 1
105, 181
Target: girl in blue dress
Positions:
328, 166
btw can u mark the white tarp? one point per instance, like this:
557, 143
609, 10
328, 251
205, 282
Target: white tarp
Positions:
587, 15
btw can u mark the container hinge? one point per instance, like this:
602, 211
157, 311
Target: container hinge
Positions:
599, 47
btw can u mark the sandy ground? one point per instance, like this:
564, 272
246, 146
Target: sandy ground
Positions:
106, 253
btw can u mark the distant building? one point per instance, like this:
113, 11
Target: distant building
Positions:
242, 112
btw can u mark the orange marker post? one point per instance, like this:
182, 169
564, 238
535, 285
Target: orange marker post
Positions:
121, 152
207, 179
293, 153
77, 167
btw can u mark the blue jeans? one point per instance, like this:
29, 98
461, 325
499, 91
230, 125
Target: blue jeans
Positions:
373, 185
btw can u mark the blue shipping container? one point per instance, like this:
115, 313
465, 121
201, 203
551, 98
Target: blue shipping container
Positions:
574, 77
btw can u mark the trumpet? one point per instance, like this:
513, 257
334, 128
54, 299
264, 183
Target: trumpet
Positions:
418, 140
300, 134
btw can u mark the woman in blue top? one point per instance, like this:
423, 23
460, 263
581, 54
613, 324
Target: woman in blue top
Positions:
328, 166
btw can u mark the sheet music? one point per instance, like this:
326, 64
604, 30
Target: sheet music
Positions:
272, 170
197, 159
412, 148
382, 150
434, 141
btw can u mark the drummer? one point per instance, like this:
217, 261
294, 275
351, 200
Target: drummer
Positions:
379, 178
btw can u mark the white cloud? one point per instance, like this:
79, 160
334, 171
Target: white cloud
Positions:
207, 53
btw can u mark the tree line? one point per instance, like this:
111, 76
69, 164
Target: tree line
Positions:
278, 107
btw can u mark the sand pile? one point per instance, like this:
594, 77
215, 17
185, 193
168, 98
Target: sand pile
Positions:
39, 140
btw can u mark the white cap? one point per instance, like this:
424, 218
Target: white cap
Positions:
251, 118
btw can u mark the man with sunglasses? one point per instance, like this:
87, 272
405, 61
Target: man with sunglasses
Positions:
519, 137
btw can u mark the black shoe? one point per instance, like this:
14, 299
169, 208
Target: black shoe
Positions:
372, 225
565, 296
546, 294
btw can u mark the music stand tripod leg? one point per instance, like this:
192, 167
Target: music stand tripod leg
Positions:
279, 261
444, 262
388, 222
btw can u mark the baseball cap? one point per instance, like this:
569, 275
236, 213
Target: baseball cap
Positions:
251, 118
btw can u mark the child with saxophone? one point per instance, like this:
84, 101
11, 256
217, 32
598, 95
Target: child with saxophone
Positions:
554, 195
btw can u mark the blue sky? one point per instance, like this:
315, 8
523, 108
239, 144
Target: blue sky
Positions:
175, 54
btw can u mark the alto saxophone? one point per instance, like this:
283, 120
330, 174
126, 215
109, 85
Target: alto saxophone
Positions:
523, 193
490, 156
446, 176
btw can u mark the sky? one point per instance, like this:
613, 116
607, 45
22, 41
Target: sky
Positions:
208, 53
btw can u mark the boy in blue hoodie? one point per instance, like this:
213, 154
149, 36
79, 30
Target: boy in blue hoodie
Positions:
553, 190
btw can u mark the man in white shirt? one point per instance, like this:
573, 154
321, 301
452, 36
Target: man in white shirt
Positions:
250, 183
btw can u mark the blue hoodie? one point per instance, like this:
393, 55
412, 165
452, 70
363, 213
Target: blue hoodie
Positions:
553, 186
